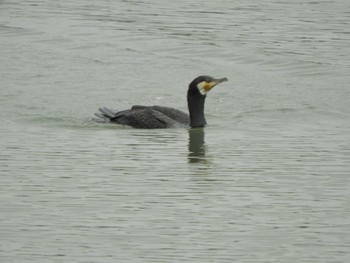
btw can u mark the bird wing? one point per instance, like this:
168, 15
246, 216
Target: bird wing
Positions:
174, 114
138, 117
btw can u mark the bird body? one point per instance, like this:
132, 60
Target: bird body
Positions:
156, 117
146, 117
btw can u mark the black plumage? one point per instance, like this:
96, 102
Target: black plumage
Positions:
155, 117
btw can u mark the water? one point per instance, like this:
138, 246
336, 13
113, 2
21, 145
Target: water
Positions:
266, 181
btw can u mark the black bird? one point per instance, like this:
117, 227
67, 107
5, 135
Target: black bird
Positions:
155, 117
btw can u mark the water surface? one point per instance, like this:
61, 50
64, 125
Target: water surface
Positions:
266, 181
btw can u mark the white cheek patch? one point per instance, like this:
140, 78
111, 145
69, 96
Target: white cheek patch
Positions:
201, 88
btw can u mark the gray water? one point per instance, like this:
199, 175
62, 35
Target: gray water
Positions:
266, 181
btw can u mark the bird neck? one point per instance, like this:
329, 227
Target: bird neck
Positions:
196, 110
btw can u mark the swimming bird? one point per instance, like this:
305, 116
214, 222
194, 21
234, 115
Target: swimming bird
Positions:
155, 117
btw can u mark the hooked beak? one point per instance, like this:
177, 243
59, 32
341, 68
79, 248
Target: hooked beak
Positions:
218, 81
209, 85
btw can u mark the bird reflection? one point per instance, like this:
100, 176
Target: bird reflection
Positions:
196, 145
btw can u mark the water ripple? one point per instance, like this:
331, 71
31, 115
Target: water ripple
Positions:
266, 180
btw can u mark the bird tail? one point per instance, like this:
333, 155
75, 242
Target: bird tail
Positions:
104, 115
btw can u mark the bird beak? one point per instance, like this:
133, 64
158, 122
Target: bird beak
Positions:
218, 81
209, 85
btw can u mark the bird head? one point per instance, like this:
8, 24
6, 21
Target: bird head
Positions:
204, 84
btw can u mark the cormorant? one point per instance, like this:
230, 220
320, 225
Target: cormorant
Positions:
155, 117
